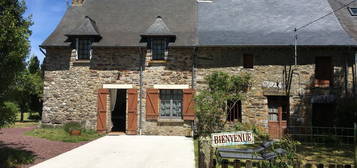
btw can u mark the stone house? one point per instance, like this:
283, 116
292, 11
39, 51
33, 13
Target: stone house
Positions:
133, 66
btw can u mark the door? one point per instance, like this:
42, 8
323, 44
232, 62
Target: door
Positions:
102, 110
132, 111
278, 112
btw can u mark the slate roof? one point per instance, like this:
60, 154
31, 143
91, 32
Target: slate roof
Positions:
268, 22
220, 23
349, 23
121, 22
87, 28
158, 28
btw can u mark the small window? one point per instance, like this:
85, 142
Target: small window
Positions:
170, 103
248, 61
323, 72
273, 112
353, 11
158, 48
278, 108
234, 110
83, 49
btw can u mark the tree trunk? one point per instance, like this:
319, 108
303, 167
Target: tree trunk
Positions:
22, 111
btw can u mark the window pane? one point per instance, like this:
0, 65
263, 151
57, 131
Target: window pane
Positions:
171, 103
273, 117
158, 47
84, 47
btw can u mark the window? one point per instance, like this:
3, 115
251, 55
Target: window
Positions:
323, 72
353, 11
170, 103
248, 61
278, 108
158, 48
273, 112
83, 48
234, 110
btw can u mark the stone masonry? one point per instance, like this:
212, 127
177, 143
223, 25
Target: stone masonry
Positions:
70, 92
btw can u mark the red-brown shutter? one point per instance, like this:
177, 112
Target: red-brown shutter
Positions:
152, 104
188, 104
132, 111
102, 110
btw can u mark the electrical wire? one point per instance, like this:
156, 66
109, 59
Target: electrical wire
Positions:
312, 22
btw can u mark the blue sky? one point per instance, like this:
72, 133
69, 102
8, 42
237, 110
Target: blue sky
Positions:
46, 14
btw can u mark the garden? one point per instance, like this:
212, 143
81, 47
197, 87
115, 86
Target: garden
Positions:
211, 113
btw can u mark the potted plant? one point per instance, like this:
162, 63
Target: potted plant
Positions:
73, 128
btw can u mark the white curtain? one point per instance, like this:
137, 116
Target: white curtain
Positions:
113, 99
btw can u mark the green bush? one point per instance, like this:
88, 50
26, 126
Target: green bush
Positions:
68, 127
259, 132
290, 158
11, 157
8, 111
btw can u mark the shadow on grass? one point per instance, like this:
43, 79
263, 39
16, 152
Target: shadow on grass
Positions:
10, 157
326, 154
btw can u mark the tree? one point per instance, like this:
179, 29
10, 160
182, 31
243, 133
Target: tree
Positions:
27, 91
14, 47
211, 102
34, 65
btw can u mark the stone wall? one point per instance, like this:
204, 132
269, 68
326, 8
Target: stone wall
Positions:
269, 64
71, 86
70, 91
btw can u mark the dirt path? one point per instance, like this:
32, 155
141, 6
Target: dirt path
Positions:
42, 148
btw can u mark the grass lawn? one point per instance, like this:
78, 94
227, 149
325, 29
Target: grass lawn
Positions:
23, 124
311, 153
326, 154
10, 157
58, 134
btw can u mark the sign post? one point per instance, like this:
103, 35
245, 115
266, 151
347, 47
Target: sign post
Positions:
232, 138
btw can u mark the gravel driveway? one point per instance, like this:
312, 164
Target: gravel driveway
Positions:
42, 148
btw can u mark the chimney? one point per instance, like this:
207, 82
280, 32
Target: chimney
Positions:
77, 2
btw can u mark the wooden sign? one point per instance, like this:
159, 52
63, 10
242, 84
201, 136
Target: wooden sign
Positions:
232, 138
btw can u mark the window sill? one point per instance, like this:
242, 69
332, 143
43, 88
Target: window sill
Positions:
157, 62
82, 61
170, 120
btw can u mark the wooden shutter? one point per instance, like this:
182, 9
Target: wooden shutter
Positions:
132, 111
188, 104
102, 110
152, 104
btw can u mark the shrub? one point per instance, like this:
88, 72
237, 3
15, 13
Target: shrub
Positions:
290, 158
211, 102
8, 111
68, 127
259, 132
34, 117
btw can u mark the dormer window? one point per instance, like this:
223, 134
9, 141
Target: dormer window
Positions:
83, 48
157, 36
353, 11
82, 37
158, 49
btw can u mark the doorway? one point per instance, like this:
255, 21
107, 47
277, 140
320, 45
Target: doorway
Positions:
118, 113
278, 115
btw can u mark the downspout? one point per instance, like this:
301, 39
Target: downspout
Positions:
355, 73
141, 89
193, 82
194, 55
